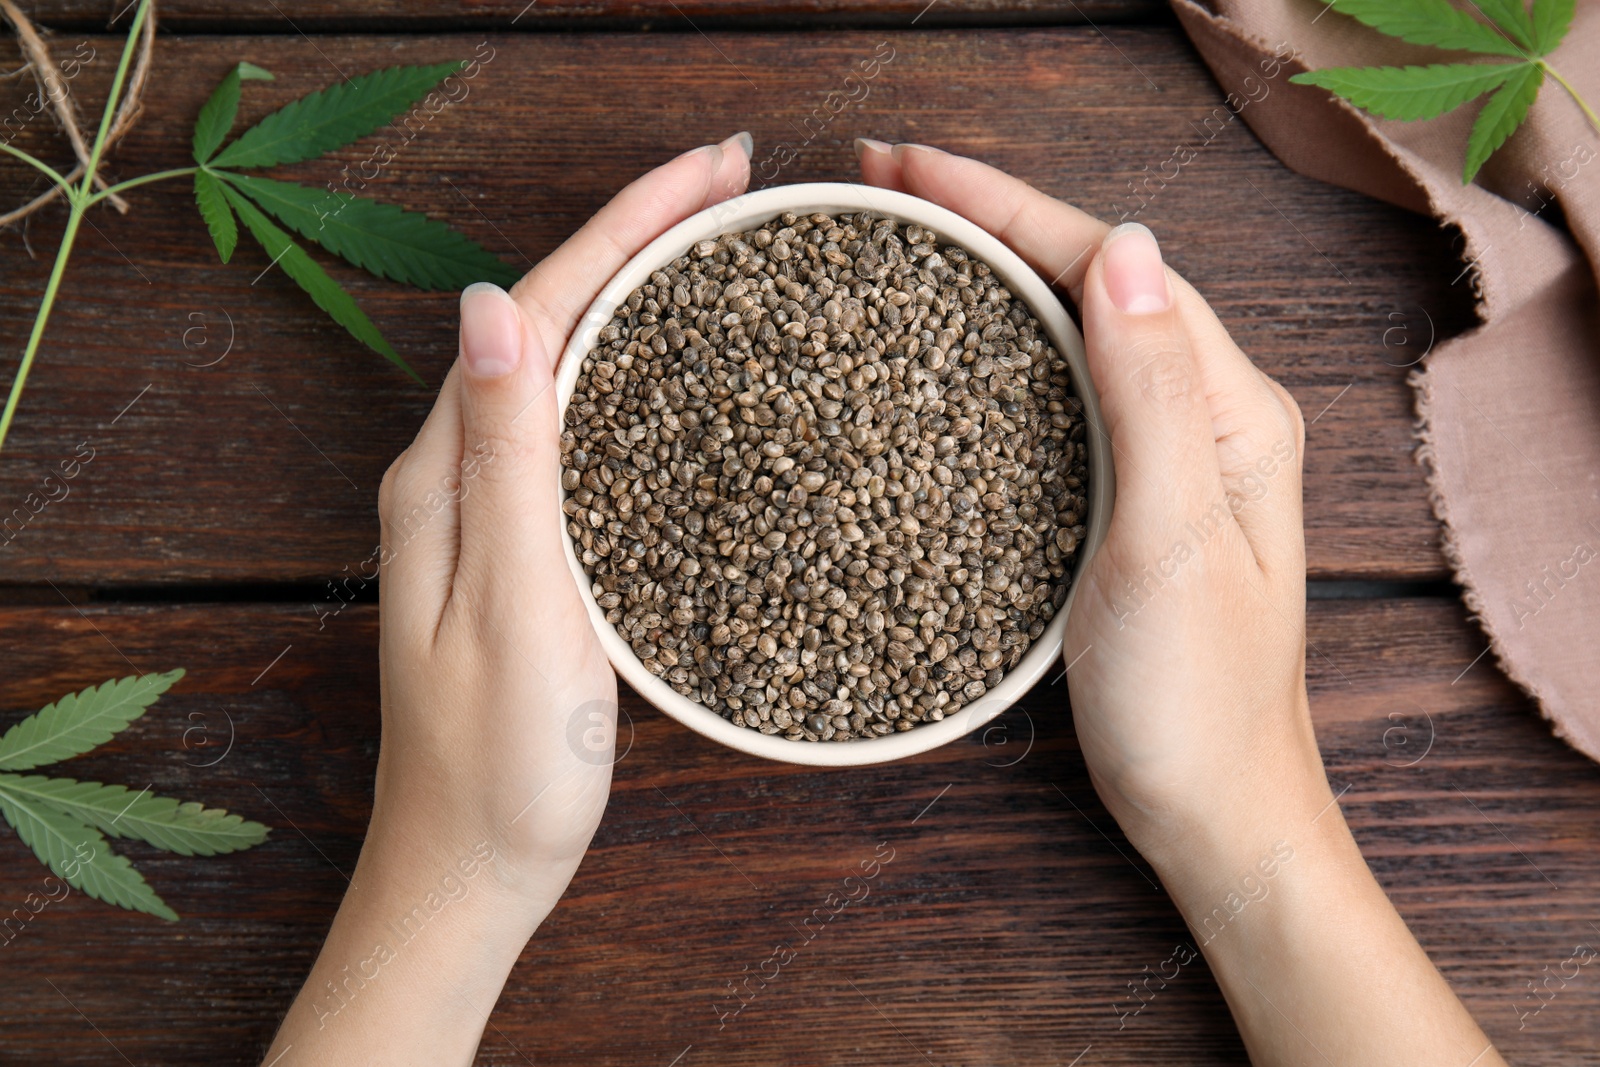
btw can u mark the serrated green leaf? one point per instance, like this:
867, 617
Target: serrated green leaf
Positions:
214, 209
1511, 16
189, 829
1551, 21
327, 293
79, 721
403, 246
1411, 92
216, 118
81, 856
1501, 115
333, 117
1432, 22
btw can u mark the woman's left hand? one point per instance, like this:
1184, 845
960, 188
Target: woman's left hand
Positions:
499, 706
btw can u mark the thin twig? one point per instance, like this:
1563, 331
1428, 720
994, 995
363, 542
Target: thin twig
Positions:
132, 105
78, 197
54, 89
42, 199
51, 86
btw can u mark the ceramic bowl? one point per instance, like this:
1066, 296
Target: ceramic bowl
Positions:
753, 210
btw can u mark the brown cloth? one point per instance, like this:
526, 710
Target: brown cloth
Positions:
1509, 414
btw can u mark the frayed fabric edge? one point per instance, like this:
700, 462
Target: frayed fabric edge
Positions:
1191, 13
1421, 382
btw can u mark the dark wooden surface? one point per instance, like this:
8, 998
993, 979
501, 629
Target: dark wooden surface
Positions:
279, 16
1010, 922
1003, 931
265, 467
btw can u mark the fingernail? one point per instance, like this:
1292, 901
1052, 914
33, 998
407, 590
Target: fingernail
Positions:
712, 150
1135, 276
899, 151
491, 331
867, 144
746, 143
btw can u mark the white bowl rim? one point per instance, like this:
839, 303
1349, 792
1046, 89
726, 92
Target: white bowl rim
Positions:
835, 198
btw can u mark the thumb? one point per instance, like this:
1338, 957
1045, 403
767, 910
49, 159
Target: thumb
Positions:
1156, 414
511, 558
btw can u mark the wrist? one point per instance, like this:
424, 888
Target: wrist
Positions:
1198, 816
420, 819
412, 861
1214, 871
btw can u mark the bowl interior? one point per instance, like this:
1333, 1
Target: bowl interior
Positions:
752, 210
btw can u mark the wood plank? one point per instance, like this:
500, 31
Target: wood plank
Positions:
387, 16
1004, 930
265, 466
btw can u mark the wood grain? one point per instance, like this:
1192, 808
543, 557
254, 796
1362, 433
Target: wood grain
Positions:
288, 16
1014, 915
1006, 927
265, 466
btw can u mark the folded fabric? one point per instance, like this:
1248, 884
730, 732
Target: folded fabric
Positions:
1509, 414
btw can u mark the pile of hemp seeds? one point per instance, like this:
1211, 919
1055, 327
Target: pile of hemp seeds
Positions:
827, 477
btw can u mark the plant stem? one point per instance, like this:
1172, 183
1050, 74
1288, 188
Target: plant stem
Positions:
43, 317
1588, 111
79, 203
49, 171
145, 180
110, 112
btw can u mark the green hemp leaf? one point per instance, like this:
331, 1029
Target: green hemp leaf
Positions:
392, 243
66, 821
1408, 93
385, 240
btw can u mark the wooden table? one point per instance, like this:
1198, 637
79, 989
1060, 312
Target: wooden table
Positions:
1009, 926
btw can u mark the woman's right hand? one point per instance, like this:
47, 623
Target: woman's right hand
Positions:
1186, 651
1187, 635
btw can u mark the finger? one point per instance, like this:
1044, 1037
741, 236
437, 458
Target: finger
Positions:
1056, 239
558, 291
419, 507
1259, 436
732, 175
878, 165
1142, 361
511, 565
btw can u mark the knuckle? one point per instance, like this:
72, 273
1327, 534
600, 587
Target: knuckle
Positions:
412, 513
389, 488
504, 453
480, 451
1162, 373
1289, 410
